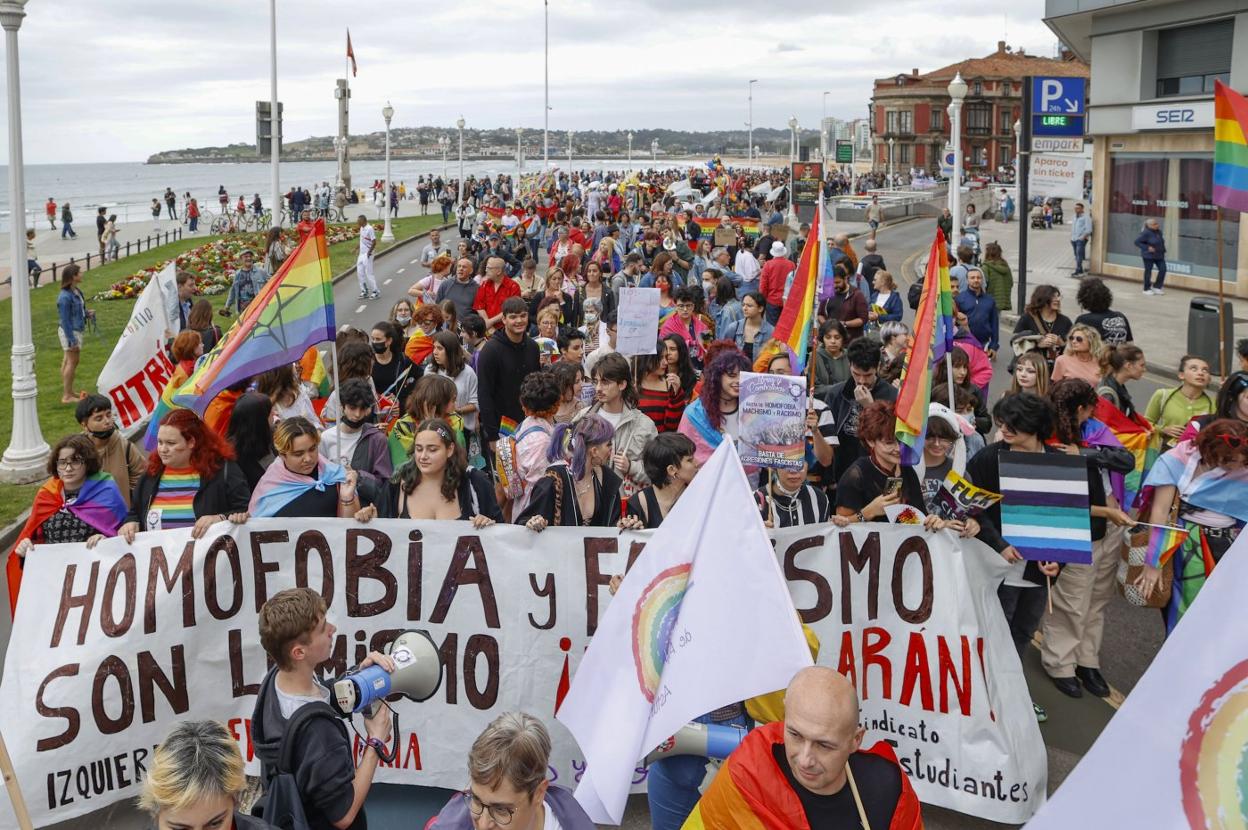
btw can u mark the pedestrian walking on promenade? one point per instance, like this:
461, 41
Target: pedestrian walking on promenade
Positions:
72, 314
100, 221
1080, 233
1152, 247
171, 202
192, 214
50, 210
67, 223
364, 263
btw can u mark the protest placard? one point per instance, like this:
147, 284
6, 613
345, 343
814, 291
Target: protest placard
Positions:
959, 498
772, 420
725, 237
637, 321
111, 647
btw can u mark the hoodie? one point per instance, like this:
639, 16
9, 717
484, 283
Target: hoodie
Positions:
501, 367
324, 767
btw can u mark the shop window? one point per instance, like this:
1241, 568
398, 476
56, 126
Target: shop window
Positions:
1175, 189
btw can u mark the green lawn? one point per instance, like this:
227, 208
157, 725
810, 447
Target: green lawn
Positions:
57, 419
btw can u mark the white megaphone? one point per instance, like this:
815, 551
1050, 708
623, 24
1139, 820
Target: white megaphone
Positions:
708, 740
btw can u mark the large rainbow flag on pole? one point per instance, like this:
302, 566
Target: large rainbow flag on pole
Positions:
798, 314
933, 339
1230, 148
293, 311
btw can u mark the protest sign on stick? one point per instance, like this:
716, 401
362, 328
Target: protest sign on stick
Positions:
637, 321
773, 420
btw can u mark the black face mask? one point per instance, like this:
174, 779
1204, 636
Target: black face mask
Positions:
103, 434
379, 347
354, 424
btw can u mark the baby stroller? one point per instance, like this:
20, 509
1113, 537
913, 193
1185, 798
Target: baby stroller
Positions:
970, 238
1037, 219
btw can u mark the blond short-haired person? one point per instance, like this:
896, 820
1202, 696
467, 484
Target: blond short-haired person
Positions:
196, 780
507, 787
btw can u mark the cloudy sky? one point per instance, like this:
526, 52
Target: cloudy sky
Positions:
120, 79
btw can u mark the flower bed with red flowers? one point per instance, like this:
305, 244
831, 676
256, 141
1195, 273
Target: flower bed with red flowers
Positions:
214, 263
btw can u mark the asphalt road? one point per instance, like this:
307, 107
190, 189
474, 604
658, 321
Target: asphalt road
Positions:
1132, 636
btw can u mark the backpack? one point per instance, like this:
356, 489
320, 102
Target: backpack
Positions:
506, 462
281, 805
914, 294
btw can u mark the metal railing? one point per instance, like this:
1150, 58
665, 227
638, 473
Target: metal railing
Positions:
134, 246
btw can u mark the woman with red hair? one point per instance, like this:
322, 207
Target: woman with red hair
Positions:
191, 481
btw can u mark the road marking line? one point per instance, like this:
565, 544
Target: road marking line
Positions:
401, 270
413, 262
388, 281
360, 309
345, 326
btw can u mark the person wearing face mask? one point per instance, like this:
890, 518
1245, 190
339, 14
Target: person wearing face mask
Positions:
118, 457
401, 316
353, 440
436, 483
788, 501
79, 503
393, 372
301, 482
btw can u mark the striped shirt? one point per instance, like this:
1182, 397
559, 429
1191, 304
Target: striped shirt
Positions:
662, 407
175, 497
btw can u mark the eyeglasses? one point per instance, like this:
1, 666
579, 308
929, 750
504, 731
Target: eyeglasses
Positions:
502, 816
936, 441
76, 461
1078, 338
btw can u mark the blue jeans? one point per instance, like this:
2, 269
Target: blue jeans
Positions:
672, 784
67, 230
1148, 273
1081, 248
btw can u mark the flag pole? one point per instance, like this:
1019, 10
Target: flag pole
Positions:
1221, 304
18, 801
333, 350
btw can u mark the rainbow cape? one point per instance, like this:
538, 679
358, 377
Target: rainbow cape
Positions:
293, 311
1230, 148
798, 314
1162, 543
933, 339
419, 346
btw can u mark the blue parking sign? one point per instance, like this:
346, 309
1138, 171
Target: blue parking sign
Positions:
1057, 96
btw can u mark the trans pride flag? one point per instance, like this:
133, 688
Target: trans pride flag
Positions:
1230, 148
795, 321
933, 339
293, 312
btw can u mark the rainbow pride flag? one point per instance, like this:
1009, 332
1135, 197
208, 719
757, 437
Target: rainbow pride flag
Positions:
1230, 148
419, 346
293, 311
1137, 437
933, 339
798, 314
748, 226
1162, 543
507, 427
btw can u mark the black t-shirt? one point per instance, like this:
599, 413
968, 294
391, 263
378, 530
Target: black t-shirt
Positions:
1113, 326
864, 481
312, 504
933, 478
879, 786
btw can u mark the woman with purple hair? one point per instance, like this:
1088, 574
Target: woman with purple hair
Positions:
579, 488
713, 415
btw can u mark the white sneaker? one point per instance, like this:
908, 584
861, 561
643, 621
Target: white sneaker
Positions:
1157, 292
1147, 292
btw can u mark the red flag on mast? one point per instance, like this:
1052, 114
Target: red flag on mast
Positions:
350, 53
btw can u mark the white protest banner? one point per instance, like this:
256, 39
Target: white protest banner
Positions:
660, 658
637, 321
1173, 756
111, 647
138, 369
1059, 175
773, 420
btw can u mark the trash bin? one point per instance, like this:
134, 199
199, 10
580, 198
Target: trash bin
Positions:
1202, 331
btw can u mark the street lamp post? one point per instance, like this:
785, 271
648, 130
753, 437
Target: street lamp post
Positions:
275, 144
569, 150
546, 101
823, 128
387, 235
519, 156
654, 151
749, 150
630, 147
460, 124
957, 92
445, 143
23, 459
1018, 146
890, 162
792, 139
